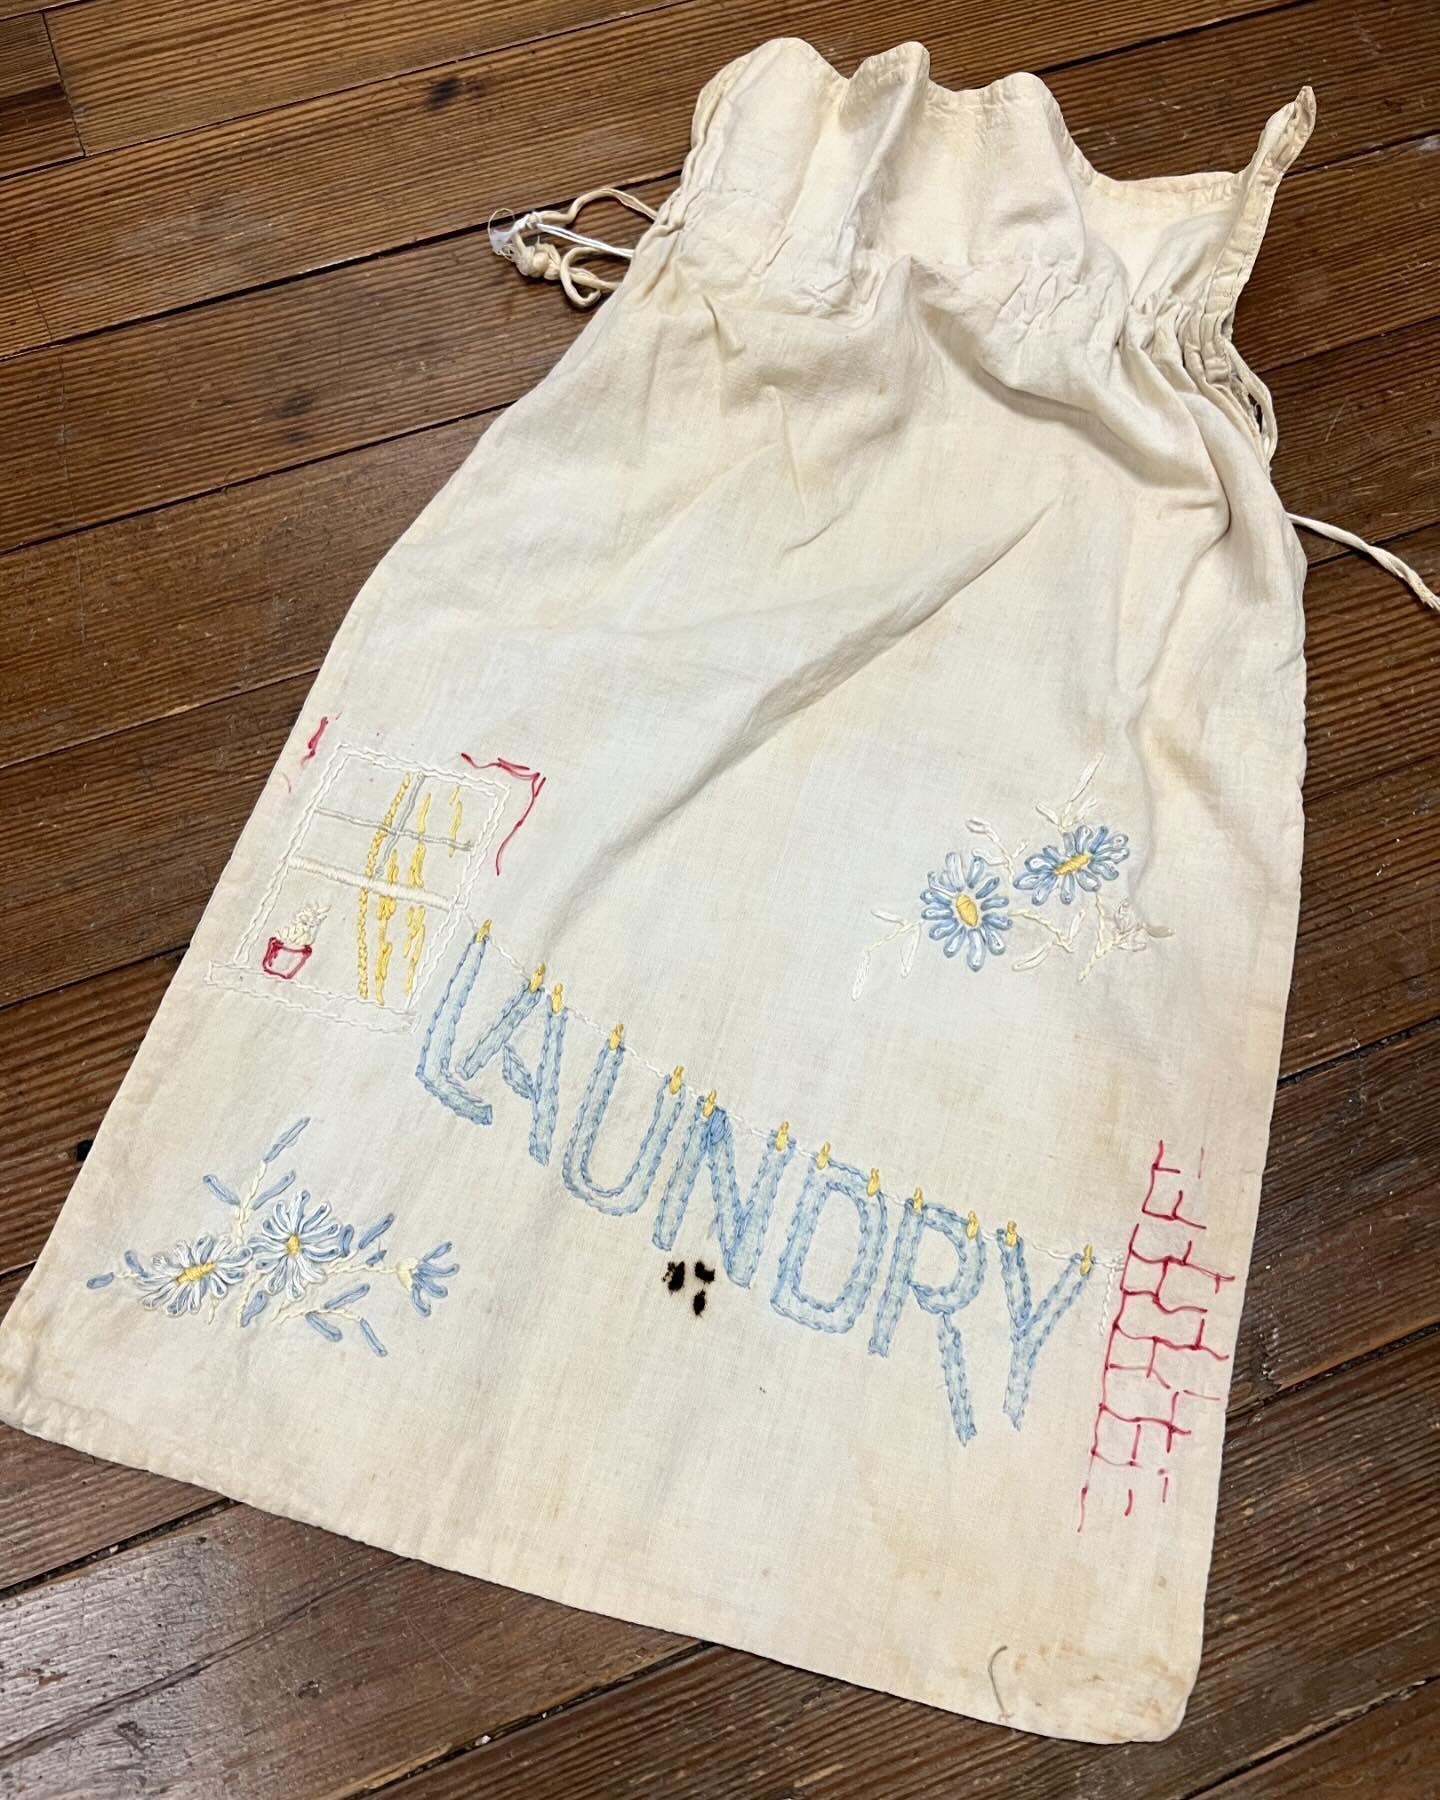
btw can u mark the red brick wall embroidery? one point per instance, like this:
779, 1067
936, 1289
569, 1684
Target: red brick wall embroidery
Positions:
1159, 1365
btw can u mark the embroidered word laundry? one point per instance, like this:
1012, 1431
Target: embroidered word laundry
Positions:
466, 1037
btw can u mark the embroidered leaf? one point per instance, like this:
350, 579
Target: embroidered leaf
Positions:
352, 1293
375, 1231
857, 987
135, 1266
324, 1327
371, 1339
99, 1281
284, 1141
220, 1191
908, 949
275, 1189
254, 1306
886, 918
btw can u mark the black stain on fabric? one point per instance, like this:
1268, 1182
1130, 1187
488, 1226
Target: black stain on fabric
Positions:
702, 1273
442, 92
675, 1276
699, 1303
83, 1148
296, 405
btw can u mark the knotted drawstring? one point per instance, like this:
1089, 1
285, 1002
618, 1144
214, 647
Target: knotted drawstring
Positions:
1339, 535
542, 261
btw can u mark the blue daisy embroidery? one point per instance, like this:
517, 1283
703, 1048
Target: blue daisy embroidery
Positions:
283, 1259
183, 1279
1084, 858
294, 1244
965, 911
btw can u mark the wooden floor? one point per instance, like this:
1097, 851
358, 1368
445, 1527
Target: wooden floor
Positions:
248, 324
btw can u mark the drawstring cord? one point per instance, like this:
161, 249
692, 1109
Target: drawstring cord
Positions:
542, 261
1337, 534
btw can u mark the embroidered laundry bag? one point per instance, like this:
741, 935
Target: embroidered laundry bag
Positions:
727, 1078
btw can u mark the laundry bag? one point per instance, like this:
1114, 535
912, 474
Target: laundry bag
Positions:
727, 1078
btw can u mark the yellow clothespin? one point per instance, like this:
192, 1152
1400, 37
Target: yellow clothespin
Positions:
537, 979
1087, 1259
557, 997
972, 1226
677, 1077
782, 1136
1009, 1234
483, 933
917, 1200
872, 1186
822, 1161
617, 1037
709, 1105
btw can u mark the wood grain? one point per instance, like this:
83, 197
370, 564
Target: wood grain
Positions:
148, 616
198, 64
329, 1664
1304, 1621
215, 211
193, 496
1389, 1753
36, 126
139, 69
157, 613
146, 415
294, 1616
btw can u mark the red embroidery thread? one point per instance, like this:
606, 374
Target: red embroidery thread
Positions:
295, 957
313, 743
521, 773
1121, 1426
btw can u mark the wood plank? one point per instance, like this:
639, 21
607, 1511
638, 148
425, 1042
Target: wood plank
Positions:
1312, 1482
58, 1507
1389, 1753
201, 62
268, 380
318, 1664
215, 211
101, 630
140, 69
1306, 1621
36, 127
151, 615
124, 839
176, 406
1359, 434
1373, 667
164, 611
1369, 946
1326, 277
136, 827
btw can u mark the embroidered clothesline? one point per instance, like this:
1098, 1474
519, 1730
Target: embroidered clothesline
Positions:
1401, 570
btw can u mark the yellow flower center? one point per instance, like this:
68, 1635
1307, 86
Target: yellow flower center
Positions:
1072, 863
292, 1245
196, 1272
966, 910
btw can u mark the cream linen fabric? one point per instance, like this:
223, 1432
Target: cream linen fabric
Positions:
874, 658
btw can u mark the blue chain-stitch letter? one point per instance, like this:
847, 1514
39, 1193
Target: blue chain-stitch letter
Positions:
1031, 1325
789, 1298
629, 1193
710, 1144
943, 1301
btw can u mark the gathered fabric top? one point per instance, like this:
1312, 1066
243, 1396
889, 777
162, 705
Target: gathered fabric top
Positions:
821, 184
